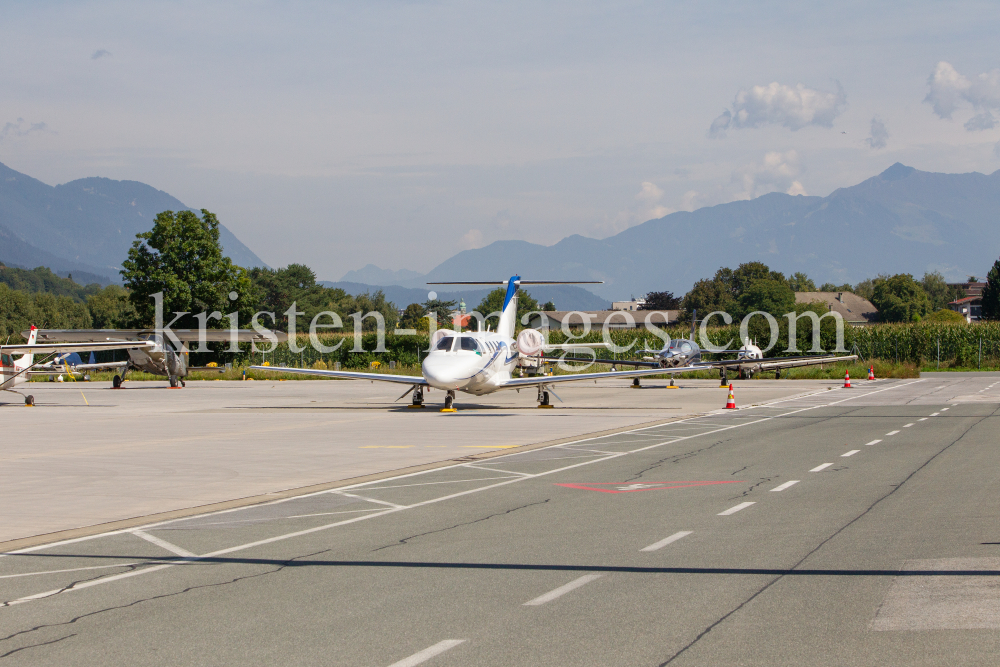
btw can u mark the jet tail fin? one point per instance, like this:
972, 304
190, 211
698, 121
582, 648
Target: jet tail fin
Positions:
26, 360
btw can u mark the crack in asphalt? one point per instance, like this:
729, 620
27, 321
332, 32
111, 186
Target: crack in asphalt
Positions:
406, 540
153, 598
673, 458
740, 470
765, 587
761, 480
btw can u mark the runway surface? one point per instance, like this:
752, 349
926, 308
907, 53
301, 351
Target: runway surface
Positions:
88, 454
847, 527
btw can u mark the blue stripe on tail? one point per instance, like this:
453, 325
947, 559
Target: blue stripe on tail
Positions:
511, 291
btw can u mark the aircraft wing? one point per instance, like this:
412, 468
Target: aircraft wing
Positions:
574, 346
183, 335
804, 361
346, 375
46, 348
517, 383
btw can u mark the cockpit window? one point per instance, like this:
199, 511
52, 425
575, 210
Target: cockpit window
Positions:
445, 343
7, 360
469, 344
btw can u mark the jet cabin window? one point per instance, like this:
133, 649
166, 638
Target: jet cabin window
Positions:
6, 360
469, 345
445, 343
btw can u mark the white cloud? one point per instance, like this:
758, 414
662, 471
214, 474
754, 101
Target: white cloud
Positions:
649, 196
949, 89
879, 134
778, 172
793, 107
471, 240
21, 128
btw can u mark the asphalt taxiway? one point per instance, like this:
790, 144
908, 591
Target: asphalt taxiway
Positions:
848, 527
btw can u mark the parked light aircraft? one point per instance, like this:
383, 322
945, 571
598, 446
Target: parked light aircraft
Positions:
63, 365
15, 371
685, 353
483, 362
156, 356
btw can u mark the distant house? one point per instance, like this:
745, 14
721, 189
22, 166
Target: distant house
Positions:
616, 319
970, 288
970, 307
853, 308
634, 304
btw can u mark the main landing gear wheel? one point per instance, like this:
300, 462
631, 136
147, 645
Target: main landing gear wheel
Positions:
29, 400
183, 384
173, 382
116, 382
777, 374
418, 397
543, 399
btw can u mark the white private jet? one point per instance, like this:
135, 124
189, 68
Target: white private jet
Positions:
16, 371
483, 362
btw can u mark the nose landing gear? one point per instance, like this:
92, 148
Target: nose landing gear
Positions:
449, 401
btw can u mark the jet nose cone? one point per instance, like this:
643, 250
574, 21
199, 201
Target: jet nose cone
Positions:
447, 371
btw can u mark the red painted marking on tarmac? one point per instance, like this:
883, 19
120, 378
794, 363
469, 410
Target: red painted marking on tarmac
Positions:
626, 487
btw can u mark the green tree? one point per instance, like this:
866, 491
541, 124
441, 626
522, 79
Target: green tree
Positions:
866, 288
768, 295
442, 310
707, 296
945, 316
900, 299
830, 287
800, 282
111, 308
991, 294
939, 291
181, 257
548, 306
414, 317
493, 303
661, 301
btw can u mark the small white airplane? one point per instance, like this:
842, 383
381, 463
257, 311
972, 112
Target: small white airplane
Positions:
151, 351
685, 353
483, 362
16, 371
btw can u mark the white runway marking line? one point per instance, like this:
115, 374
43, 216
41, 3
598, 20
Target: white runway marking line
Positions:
892, 432
75, 569
370, 500
922, 419
428, 653
945, 409
908, 425
873, 442
163, 544
737, 508
667, 540
562, 590
821, 467
850, 453
782, 487
935, 414
299, 533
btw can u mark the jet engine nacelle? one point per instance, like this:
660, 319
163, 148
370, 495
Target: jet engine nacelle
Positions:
530, 342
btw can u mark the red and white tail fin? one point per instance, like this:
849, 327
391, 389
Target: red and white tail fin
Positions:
26, 360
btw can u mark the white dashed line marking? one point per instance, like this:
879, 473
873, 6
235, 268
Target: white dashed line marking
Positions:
907, 425
821, 467
852, 452
667, 540
892, 432
945, 409
873, 442
428, 653
784, 486
737, 508
172, 548
935, 414
922, 419
562, 590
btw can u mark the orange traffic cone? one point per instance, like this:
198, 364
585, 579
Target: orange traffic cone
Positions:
847, 379
731, 402
871, 372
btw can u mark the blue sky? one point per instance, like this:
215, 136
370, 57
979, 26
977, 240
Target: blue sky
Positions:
399, 133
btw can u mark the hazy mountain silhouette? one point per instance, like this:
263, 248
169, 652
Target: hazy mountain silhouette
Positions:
85, 225
901, 221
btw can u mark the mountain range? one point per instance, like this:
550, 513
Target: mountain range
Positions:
85, 226
900, 221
